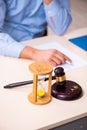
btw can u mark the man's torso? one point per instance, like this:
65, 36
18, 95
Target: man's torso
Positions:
24, 19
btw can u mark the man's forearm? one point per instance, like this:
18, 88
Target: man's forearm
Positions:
47, 1
58, 15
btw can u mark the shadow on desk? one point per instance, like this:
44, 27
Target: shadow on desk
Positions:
80, 124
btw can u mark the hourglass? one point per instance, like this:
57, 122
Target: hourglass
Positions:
39, 95
65, 89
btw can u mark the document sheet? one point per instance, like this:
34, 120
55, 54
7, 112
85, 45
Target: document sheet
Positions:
76, 60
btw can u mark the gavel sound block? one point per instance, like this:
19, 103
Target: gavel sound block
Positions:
40, 69
65, 89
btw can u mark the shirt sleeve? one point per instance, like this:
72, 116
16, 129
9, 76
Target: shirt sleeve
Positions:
8, 46
58, 15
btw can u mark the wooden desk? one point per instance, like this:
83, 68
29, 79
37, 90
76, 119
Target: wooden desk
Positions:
17, 113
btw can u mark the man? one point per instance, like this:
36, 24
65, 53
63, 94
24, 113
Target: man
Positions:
28, 19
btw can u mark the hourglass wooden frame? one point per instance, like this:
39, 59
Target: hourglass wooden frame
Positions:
40, 69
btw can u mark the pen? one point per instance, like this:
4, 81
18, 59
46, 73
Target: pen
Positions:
17, 84
68, 62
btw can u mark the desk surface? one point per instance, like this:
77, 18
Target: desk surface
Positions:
17, 113
76, 33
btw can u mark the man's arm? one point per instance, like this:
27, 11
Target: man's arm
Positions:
58, 15
8, 46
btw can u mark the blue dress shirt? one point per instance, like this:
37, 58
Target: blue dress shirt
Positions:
24, 20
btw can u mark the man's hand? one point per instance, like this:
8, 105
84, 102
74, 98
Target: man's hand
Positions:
47, 1
52, 56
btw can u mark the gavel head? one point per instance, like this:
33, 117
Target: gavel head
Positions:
60, 75
59, 71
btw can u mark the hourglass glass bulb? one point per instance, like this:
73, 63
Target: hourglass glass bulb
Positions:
40, 91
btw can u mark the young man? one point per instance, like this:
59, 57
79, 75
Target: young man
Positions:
28, 19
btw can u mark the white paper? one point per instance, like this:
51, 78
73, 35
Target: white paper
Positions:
76, 60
